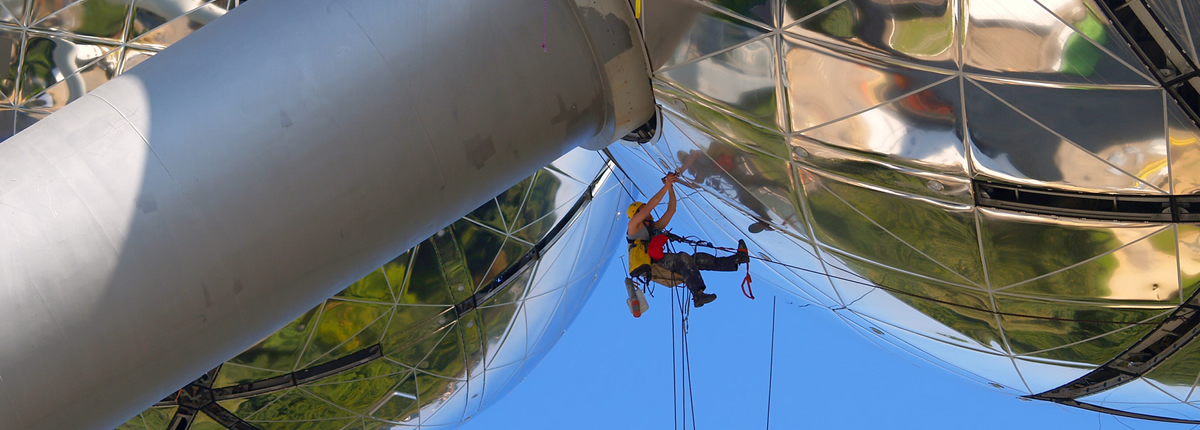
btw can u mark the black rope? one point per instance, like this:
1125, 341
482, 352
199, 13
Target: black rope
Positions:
684, 311
771, 372
871, 284
674, 365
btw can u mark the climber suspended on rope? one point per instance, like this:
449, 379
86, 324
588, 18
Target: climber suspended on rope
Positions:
649, 260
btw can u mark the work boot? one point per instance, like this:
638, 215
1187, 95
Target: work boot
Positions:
702, 298
743, 255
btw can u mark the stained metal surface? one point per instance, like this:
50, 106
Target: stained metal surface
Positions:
221, 188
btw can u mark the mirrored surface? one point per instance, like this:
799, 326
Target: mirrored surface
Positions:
433, 336
890, 113
836, 136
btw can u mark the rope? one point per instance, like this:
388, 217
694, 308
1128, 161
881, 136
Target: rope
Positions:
684, 310
674, 384
771, 372
918, 296
684, 365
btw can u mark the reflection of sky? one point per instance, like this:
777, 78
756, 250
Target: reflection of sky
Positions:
611, 370
824, 377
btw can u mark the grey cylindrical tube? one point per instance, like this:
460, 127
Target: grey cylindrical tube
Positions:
188, 208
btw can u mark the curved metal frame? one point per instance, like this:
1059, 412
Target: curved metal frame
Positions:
199, 396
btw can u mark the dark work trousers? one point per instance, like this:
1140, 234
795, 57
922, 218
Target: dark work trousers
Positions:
689, 266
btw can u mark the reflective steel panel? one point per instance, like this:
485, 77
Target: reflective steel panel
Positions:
444, 329
890, 114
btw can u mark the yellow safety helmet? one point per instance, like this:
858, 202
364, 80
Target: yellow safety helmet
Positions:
633, 208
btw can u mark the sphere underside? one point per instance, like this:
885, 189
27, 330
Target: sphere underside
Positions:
1000, 187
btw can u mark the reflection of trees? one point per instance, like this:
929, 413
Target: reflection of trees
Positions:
1017, 251
440, 346
1181, 369
278, 351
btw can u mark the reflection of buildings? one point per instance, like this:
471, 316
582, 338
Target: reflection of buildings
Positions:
858, 129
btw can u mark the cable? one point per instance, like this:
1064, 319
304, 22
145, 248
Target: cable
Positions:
918, 296
771, 372
626, 174
674, 384
690, 398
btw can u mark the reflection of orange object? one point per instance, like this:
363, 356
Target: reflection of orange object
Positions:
926, 101
805, 177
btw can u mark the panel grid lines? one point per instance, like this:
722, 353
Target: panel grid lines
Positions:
1065, 139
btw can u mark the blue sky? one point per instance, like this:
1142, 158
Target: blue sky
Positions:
613, 371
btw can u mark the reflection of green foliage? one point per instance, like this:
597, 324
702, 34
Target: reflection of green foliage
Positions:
977, 325
1181, 369
205, 422
432, 388
398, 408
38, 67
232, 374
478, 247
446, 358
102, 18
838, 22
1079, 55
951, 243
361, 387
760, 103
1026, 335
247, 406
150, 419
411, 324
373, 287
802, 8
340, 321
1017, 251
425, 284
870, 173
924, 36
296, 406
279, 350
757, 9
720, 124
1023, 250
433, 339
541, 199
